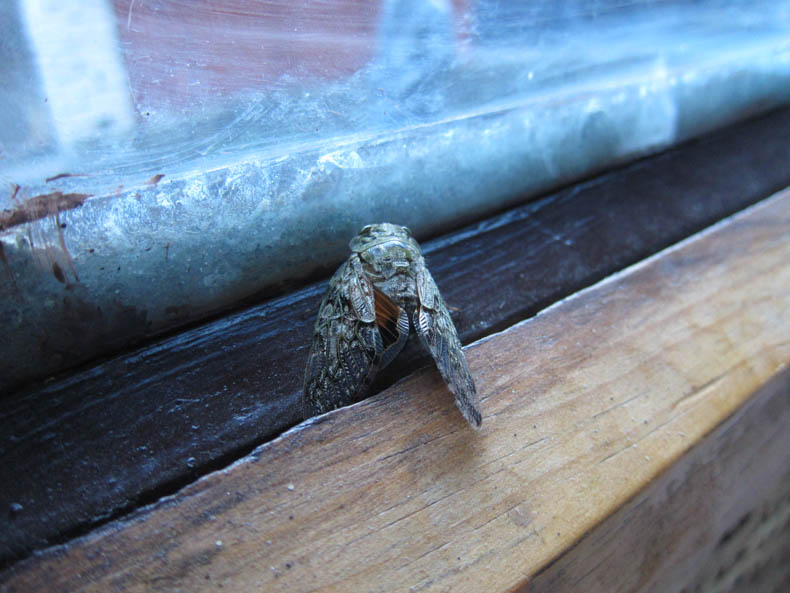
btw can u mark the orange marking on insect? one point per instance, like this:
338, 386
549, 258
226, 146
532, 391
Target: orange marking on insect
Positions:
387, 314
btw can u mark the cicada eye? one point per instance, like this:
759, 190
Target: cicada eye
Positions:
408, 231
366, 229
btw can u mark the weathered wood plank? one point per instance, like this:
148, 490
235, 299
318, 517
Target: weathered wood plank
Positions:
717, 520
584, 405
98, 443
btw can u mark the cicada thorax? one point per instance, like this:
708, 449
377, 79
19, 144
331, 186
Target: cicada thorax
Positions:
400, 288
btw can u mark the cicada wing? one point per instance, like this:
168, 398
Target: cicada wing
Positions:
437, 332
347, 345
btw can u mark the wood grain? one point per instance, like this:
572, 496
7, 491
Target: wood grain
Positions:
584, 405
98, 443
717, 520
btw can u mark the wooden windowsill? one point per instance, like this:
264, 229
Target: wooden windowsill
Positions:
587, 407
93, 445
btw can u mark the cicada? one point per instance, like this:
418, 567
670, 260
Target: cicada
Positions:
375, 299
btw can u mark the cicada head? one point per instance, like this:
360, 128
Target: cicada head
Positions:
385, 232
386, 246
